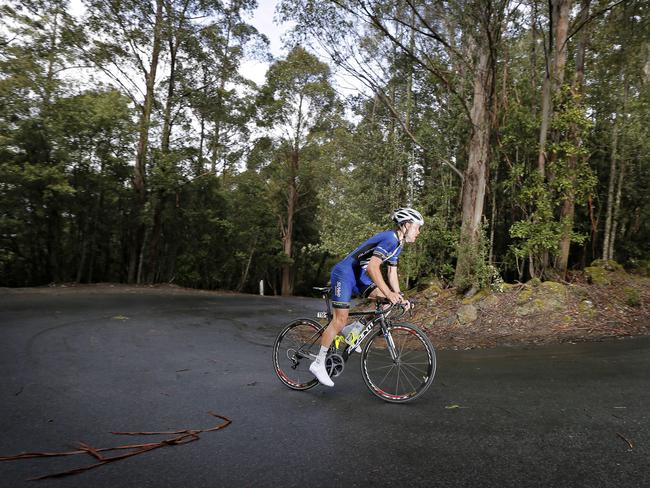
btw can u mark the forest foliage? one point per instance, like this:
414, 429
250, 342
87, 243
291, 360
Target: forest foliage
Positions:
133, 150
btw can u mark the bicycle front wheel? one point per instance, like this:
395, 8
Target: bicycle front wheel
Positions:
407, 375
293, 351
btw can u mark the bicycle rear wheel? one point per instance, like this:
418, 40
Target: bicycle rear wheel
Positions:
293, 351
407, 376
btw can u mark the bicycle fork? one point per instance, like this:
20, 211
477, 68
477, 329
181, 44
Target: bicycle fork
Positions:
389, 341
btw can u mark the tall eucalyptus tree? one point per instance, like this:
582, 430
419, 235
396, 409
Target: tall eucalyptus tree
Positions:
457, 43
127, 45
296, 97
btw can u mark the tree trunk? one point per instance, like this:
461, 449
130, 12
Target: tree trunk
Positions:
156, 232
473, 193
566, 224
568, 205
533, 59
560, 53
543, 131
610, 190
84, 251
559, 15
143, 143
244, 275
611, 220
53, 239
617, 207
493, 216
199, 165
287, 238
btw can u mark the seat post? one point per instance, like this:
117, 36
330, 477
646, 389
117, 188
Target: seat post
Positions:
326, 293
328, 304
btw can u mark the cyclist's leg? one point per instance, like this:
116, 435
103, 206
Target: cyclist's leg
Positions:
335, 326
343, 285
341, 296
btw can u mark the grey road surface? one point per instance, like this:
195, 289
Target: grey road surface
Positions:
78, 364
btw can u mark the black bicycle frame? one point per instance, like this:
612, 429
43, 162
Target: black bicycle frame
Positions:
380, 318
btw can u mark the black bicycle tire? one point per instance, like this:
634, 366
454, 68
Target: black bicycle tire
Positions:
394, 398
284, 379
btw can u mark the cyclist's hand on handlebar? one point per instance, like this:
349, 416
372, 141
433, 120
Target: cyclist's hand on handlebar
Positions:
394, 297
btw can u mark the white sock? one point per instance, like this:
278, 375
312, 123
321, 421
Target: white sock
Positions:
320, 359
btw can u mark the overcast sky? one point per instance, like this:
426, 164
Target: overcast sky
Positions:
263, 22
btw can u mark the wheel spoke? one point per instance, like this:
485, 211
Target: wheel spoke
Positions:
414, 371
413, 388
386, 375
376, 368
417, 378
404, 339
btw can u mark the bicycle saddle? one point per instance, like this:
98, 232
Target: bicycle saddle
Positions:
323, 289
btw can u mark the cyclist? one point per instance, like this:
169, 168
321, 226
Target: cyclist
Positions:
360, 273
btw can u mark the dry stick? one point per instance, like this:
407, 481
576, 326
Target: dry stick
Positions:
629, 443
187, 435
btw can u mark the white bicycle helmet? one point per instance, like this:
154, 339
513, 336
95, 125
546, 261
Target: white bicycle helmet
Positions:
404, 215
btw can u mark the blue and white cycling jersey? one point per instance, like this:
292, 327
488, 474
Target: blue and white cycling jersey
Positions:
350, 275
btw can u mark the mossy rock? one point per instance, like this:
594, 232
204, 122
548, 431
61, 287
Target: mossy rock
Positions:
430, 282
580, 292
487, 302
530, 308
586, 307
480, 295
641, 267
525, 294
510, 286
553, 287
547, 297
539, 306
632, 296
534, 282
609, 265
432, 292
597, 275
467, 314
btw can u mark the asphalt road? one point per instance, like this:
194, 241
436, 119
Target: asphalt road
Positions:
78, 364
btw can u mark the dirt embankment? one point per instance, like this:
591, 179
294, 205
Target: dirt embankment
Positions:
600, 303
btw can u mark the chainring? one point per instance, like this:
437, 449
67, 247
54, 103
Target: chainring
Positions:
334, 364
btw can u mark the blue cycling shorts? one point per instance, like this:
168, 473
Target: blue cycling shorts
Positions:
346, 283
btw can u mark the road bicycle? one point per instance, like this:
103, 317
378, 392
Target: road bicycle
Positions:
398, 361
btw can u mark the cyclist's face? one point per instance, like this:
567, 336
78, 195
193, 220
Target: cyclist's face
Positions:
412, 231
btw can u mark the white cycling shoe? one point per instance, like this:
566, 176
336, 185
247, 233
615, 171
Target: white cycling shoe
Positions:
319, 371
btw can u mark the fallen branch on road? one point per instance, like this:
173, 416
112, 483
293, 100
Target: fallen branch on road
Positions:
183, 437
629, 442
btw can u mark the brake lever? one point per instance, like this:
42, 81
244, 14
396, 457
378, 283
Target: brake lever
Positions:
411, 308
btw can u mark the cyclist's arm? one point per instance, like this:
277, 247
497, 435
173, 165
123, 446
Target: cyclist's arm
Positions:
393, 279
374, 271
